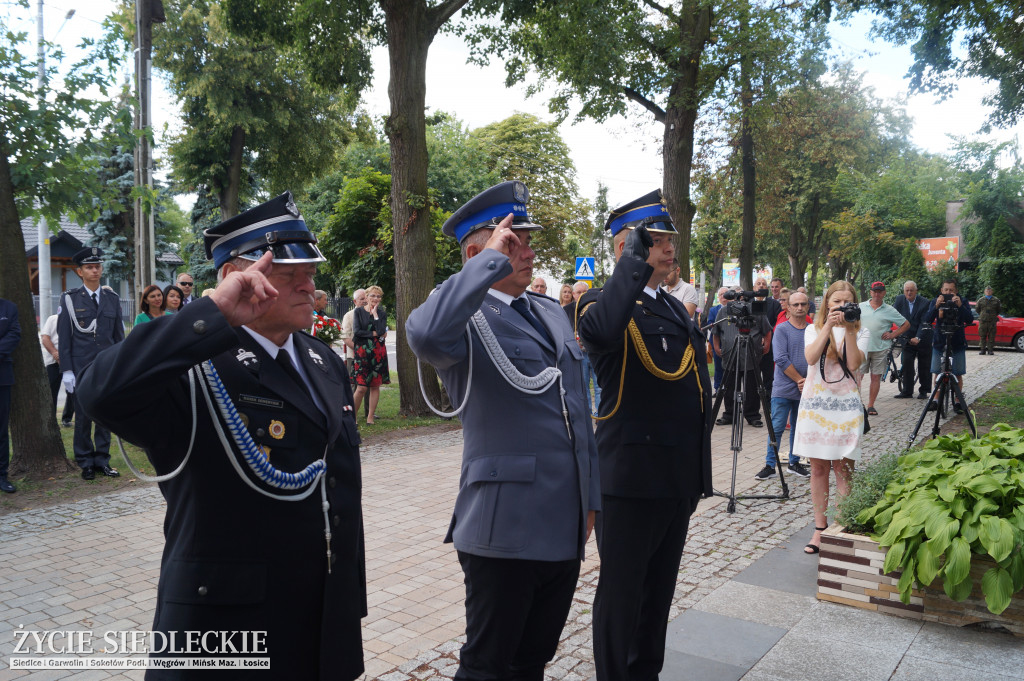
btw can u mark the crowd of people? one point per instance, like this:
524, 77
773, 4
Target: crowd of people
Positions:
283, 507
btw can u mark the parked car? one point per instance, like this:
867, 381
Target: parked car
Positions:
1009, 331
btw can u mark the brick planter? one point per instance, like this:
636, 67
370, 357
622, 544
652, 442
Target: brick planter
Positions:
850, 572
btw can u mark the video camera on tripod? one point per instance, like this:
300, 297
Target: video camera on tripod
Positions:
744, 306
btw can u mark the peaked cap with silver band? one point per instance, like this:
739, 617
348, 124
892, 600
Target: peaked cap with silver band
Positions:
649, 210
488, 208
88, 256
275, 225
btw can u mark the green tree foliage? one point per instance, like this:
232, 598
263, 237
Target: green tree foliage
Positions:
990, 30
113, 229
912, 266
523, 147
47, 165
247, 106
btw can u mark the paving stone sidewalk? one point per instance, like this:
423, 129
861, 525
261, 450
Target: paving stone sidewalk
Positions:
94, 564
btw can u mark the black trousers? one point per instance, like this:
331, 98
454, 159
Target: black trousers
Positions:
515, 612
90, 450
5, 421
641, 544
751, 400
768, 371
53, 375
922, 355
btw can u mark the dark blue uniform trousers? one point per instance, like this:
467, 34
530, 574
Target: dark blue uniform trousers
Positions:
515, 612
641, 544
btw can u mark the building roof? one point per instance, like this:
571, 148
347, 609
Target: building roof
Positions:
74, 237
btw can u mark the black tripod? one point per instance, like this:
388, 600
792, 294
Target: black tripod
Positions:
739, 365
946, 386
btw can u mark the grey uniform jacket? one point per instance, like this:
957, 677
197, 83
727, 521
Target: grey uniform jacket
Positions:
526, 485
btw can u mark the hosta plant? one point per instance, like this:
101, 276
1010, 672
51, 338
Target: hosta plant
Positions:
953, 499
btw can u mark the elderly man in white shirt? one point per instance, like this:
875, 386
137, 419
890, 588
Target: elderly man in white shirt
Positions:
683, 291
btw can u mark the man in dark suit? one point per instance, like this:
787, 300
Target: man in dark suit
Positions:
89, 321
10, 335
918, 346
653, 439
529, 486
264, 528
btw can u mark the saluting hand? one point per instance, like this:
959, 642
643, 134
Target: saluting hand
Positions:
245, 295
503, 239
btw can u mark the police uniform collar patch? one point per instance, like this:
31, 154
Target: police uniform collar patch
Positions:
247, 358
317, 359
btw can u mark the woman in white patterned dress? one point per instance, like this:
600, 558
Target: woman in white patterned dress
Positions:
830, 421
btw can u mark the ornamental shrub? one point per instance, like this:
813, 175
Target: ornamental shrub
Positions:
953, 499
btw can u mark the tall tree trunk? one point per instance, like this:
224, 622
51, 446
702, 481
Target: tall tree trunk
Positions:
228, 193
680, 121
409, 36
38, 451
747, 163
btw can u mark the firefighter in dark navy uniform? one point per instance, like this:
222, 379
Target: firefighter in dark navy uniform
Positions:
263, 527
653, 439
89, 320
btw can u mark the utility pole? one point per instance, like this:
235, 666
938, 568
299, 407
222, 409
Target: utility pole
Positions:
147, 12
43, 236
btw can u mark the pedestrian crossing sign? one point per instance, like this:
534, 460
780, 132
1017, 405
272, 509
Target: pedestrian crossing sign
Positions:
584, 269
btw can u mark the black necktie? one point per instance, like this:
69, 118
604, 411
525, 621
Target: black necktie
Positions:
96, 298
284, 360
522, 307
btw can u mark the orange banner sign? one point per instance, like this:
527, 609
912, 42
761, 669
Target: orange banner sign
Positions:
940, 249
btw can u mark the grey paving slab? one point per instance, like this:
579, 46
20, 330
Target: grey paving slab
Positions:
820, 658
786, 567
855, 628
758, 604
919, 669
685, 667
724, 639
985, 651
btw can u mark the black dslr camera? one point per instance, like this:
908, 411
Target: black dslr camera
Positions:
851, 311
947, 303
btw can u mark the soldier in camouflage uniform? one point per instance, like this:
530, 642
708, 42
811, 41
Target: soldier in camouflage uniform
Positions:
988, 308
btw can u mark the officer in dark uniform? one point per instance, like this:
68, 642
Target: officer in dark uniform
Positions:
989, 307
10, 335
89, 320
254, 425
653, 439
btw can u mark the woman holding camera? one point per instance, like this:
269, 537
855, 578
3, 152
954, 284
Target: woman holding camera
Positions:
830, 422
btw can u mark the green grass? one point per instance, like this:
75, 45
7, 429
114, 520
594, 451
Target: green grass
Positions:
386, 418
1002, 404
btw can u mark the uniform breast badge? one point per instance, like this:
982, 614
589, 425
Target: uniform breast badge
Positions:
276, 430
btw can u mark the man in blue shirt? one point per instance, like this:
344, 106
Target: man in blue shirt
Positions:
790, 371
960, 318
878, 317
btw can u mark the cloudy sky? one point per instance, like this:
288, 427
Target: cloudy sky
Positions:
623, 153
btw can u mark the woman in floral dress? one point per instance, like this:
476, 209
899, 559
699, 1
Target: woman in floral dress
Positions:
369, 329
830, 422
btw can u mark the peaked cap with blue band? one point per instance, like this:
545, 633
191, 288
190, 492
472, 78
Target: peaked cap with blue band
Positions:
275, 225
649, 210
488, 208
88, 256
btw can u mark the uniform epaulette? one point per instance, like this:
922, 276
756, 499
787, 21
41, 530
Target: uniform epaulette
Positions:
541, 295
320, 340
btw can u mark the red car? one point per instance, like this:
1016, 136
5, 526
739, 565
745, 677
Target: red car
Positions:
1009, 331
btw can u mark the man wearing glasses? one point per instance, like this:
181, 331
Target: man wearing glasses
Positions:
186, 284
790, 371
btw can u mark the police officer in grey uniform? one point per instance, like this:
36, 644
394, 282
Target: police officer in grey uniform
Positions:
653, 439
529, 484
89, 321
264, 528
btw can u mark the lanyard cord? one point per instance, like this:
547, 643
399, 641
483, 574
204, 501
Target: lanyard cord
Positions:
530, 385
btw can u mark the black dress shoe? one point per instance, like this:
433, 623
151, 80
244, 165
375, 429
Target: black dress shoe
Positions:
756, 422
933, 406
723, 421
903, 396
6, 486
88, 474
922, 396
108, 471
